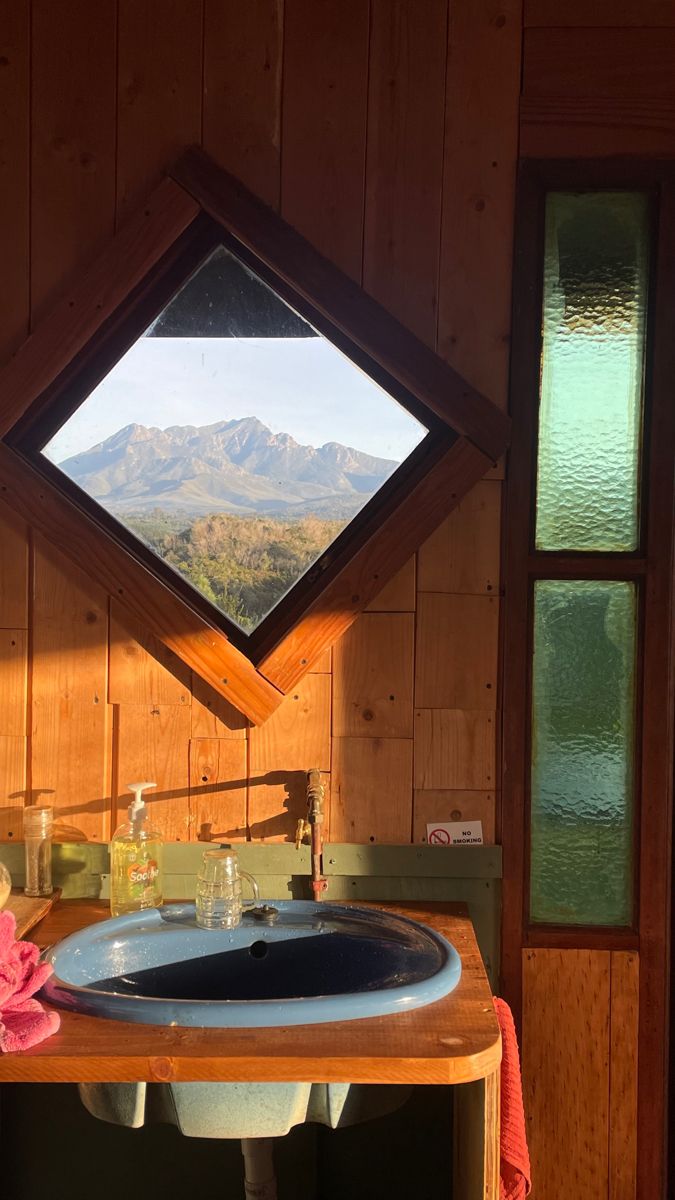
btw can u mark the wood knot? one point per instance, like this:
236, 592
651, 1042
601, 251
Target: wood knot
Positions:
162, 1069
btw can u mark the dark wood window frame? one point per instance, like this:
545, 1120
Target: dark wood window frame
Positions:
651, 568
199, 206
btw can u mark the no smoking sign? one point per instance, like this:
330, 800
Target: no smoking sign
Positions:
439, 837
455, 833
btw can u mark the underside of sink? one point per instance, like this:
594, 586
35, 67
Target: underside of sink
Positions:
315, 962
240, 1110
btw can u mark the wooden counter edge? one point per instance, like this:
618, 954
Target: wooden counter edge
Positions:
39, 1065
45, 1068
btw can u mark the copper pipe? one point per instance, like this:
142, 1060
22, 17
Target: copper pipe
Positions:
315, 815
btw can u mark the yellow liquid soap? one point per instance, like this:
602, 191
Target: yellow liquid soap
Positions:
135, 860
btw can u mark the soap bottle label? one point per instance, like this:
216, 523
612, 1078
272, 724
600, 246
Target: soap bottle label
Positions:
144, 873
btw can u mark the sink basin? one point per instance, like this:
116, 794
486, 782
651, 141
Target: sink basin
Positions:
317, 962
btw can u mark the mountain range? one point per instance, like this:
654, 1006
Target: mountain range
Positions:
237, 467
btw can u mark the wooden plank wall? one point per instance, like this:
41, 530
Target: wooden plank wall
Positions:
380, 136
391, 142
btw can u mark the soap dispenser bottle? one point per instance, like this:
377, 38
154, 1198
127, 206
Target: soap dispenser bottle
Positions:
135, 859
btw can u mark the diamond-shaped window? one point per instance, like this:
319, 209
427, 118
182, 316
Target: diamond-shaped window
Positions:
233, 441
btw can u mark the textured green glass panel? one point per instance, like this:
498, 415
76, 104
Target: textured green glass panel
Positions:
590, 418
581, 864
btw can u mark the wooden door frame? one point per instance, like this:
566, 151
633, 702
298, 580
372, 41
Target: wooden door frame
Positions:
652, 568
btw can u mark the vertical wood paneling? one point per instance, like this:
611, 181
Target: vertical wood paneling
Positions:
13, 681
400, 594
481, 146
14, 172
295, 739
566, 1073
12, 787
243, 46
624, 1008
405, 159
463, 554
371, 790
373, 677
13, 570
454, 749
212, 715
159, 97
73, 132
445, 805
70, 759
456, 658
218, 785
325, 83
153, 743
142, 669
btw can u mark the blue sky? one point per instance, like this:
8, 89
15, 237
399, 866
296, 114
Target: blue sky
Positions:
301, 386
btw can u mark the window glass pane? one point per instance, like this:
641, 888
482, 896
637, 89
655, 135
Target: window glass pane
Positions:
582, 752
234, 441
595, 296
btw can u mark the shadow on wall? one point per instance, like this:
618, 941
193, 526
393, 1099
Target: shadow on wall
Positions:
288, 788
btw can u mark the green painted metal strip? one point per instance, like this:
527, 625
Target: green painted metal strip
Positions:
439, 862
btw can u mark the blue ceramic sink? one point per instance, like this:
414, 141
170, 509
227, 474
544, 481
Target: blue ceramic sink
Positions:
316, 962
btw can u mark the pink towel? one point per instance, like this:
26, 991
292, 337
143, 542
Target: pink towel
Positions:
514, 1166
23, 1020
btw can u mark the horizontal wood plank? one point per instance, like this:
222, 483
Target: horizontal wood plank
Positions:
596, 127
599, 62
602, 13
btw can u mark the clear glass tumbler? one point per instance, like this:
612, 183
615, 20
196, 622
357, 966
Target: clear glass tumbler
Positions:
219, 903
37, 833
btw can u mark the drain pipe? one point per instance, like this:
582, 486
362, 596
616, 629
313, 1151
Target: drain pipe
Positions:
260, 1181
315, 799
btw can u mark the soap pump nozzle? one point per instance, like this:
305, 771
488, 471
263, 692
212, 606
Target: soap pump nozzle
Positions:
137, 805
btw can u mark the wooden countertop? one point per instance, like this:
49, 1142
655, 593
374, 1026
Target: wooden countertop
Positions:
455, 1040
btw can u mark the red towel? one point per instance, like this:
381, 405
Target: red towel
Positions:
23, 1020
514, 1166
